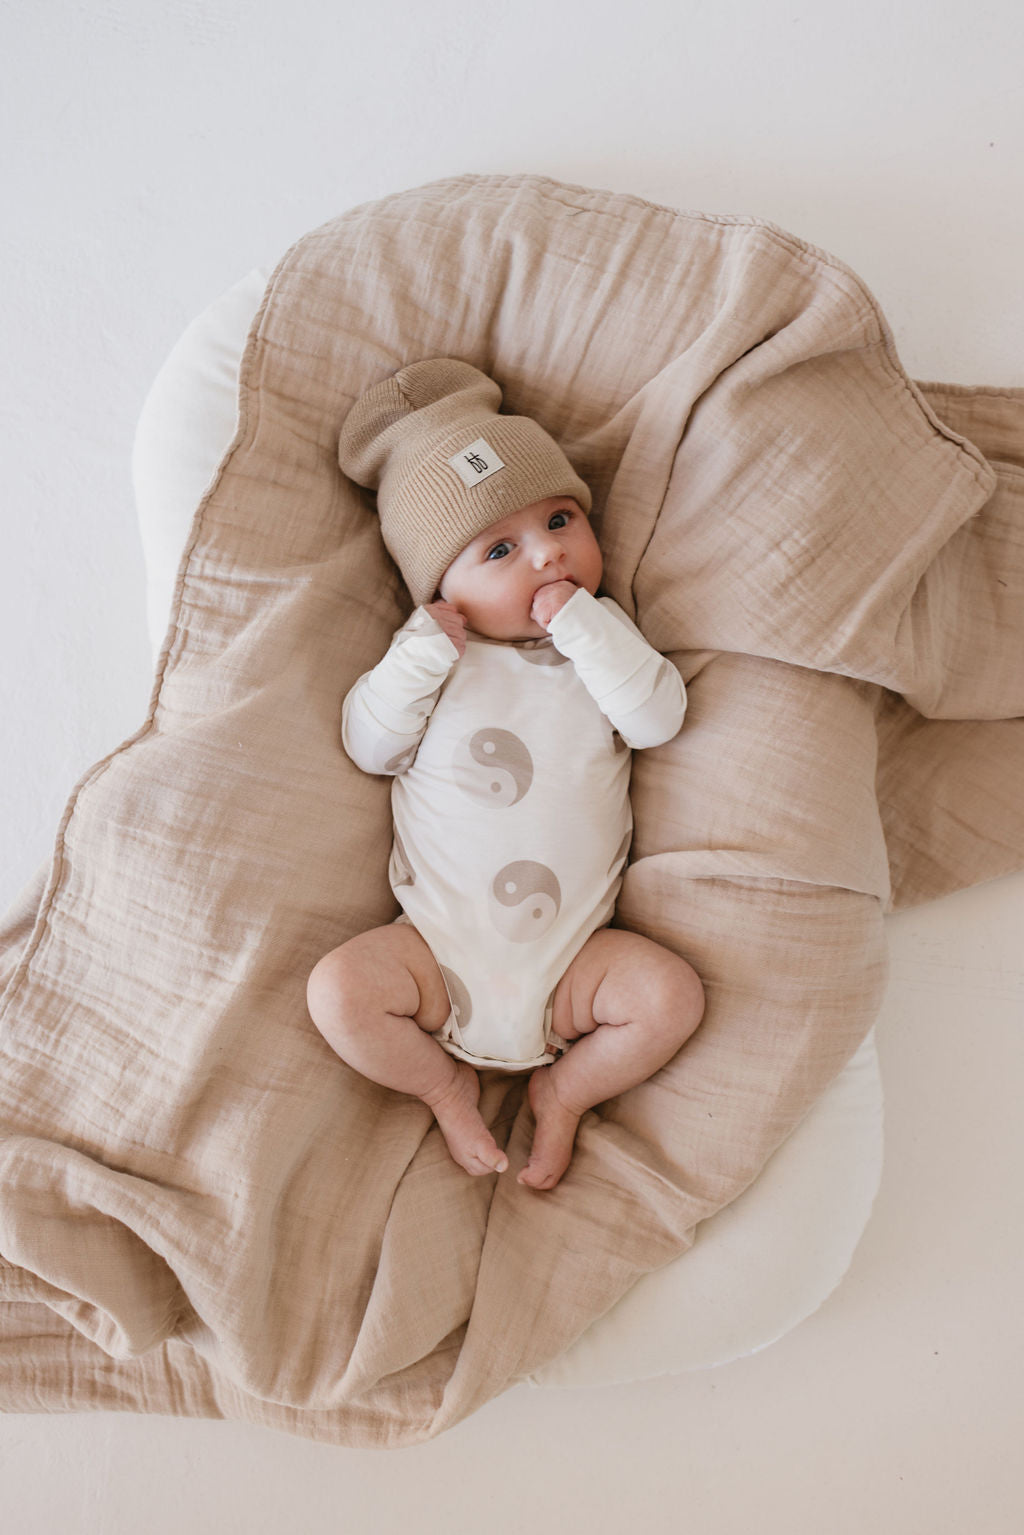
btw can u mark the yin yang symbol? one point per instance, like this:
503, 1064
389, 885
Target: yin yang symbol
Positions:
400, 870
525, 900
460, 999
542, 655
493, 767
399, 763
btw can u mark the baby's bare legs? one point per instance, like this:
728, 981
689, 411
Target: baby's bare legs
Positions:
376, 1000
629, 1004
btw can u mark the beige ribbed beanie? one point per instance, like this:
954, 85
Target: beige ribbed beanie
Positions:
445, 465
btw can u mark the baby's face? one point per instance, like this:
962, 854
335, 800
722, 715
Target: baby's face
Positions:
494, 579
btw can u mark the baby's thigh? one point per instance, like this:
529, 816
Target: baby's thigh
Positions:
620, 977
387, 969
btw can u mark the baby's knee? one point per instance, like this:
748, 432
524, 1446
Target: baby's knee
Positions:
330, 987
677, 997
385, 972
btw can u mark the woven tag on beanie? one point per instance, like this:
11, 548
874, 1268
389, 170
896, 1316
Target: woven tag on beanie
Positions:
476, 463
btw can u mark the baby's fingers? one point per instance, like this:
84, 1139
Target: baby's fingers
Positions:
451, 621
457, 635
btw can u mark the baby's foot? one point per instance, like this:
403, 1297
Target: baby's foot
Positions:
455, 1108
553, 1140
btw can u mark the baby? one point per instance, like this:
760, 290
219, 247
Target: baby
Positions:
505, 710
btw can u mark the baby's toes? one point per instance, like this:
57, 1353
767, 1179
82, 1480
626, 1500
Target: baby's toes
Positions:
541, 1174
480, 1159
491, 1161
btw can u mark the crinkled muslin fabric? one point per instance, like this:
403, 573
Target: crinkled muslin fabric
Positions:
202, 1210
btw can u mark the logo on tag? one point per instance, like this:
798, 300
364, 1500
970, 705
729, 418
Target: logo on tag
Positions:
476, 463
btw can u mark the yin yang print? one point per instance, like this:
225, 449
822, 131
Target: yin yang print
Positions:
462, 1004
400, 870
493, 767
399, 763
525, 899
543, 655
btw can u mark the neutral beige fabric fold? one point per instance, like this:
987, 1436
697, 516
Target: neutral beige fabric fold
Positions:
203, 1211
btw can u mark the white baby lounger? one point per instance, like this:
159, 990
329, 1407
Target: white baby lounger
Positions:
770, 1258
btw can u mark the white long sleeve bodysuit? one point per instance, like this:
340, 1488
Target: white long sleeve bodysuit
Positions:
511, 803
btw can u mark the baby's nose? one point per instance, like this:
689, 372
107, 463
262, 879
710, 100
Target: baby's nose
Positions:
546, 550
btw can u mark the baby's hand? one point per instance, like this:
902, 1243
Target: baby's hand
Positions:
549, 600
451, 621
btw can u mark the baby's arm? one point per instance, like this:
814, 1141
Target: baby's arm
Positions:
386, 712
637, 689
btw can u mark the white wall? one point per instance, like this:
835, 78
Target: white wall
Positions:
155, 151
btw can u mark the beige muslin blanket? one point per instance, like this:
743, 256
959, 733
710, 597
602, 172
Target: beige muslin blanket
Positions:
203, 1211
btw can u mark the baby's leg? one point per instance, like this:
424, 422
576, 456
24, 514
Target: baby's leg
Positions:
376, 1000
629, 1004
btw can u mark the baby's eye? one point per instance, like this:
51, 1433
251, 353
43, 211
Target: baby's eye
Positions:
559, 519
498, 552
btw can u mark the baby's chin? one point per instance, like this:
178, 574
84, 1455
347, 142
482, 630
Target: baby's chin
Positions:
511, 634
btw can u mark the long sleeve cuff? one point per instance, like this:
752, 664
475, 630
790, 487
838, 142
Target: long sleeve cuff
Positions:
637, 689
386, 712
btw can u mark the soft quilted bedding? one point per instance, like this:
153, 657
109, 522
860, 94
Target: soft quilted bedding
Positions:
202, 1210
